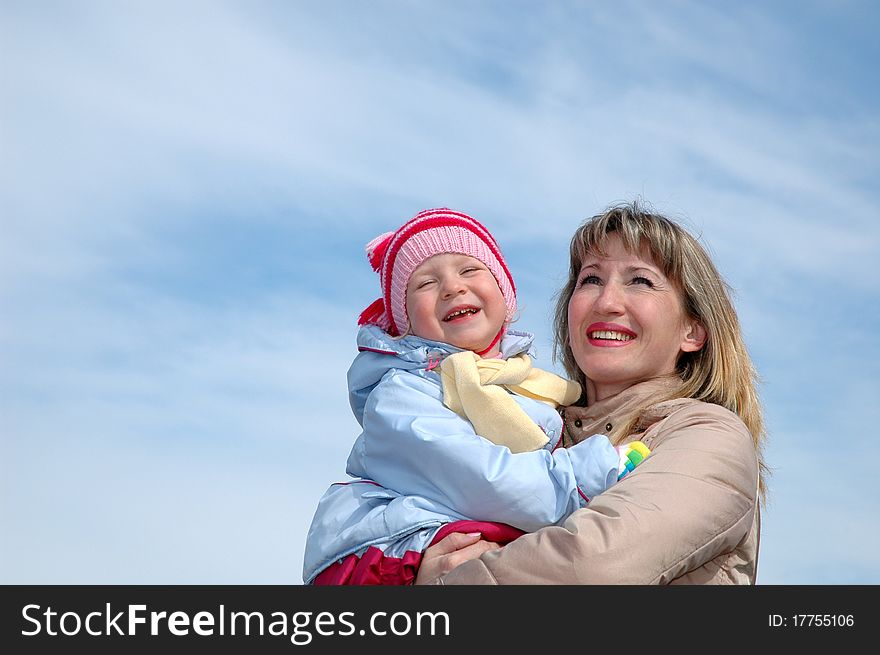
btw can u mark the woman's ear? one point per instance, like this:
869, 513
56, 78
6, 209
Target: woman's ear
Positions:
694, 337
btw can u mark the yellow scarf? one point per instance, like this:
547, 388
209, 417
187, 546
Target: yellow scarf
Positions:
477, 390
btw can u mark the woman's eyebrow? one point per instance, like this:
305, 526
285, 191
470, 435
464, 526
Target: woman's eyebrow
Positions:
649, 269
629, 269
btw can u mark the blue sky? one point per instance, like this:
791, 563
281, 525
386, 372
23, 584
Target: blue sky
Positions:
187, 188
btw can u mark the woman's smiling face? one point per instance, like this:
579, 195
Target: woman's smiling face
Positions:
626, 321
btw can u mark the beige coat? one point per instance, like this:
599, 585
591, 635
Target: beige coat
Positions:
687, 515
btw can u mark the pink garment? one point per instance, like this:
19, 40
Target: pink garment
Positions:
374, 568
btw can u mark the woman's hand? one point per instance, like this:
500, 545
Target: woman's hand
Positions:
454, 549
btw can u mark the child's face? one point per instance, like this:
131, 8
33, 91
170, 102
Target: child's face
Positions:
455, 299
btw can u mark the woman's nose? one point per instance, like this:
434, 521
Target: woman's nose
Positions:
610, 300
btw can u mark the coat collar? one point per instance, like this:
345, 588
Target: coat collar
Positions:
419, 351
603, 416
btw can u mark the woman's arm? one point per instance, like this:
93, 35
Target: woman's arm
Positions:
692, 500
415, 445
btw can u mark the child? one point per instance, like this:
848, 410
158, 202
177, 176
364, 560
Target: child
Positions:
460, 432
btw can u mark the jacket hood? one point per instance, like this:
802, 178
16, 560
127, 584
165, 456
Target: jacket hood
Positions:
380, 352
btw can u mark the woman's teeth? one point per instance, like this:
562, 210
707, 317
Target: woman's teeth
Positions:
608, 334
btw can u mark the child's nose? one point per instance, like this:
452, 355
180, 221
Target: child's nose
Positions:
452, 287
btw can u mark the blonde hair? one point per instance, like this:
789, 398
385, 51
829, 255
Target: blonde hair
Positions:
722, 371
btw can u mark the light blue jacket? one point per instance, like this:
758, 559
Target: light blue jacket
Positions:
418, 465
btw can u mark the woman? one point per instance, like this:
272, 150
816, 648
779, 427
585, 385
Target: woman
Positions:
646, 325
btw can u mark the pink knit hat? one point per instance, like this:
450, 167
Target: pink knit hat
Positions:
395, 255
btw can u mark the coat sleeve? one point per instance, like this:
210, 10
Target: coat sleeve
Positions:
415, 445
692, 500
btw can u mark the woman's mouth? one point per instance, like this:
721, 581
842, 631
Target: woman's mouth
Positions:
609, 335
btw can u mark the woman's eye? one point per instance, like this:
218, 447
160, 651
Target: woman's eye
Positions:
589, 279
642, 280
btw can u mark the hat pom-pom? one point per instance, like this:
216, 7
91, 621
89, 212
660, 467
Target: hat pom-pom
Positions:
375, 315
377, 248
